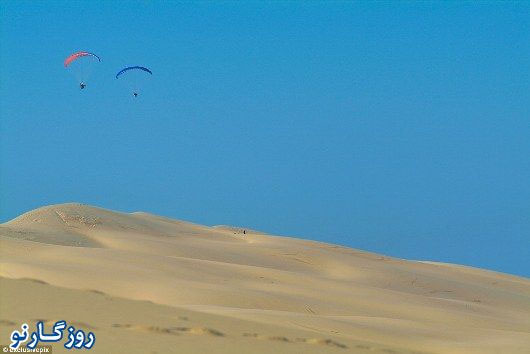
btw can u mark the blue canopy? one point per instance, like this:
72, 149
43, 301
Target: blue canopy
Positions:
133, 68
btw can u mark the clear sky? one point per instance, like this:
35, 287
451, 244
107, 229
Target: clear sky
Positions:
401, 128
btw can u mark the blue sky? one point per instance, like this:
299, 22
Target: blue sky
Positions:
401, 128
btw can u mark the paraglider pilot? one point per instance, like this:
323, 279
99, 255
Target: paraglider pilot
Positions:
82, 85
135, 94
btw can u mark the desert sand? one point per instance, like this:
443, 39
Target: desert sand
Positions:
148, 284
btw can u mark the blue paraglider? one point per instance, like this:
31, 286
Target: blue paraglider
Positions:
134, 80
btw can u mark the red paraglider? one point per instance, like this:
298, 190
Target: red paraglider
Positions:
81, 68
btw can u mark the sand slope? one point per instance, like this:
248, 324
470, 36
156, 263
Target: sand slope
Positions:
245, 293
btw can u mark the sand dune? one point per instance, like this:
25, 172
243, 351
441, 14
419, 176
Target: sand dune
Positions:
164, 285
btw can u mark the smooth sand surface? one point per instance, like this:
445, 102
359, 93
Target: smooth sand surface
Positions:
149, 284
